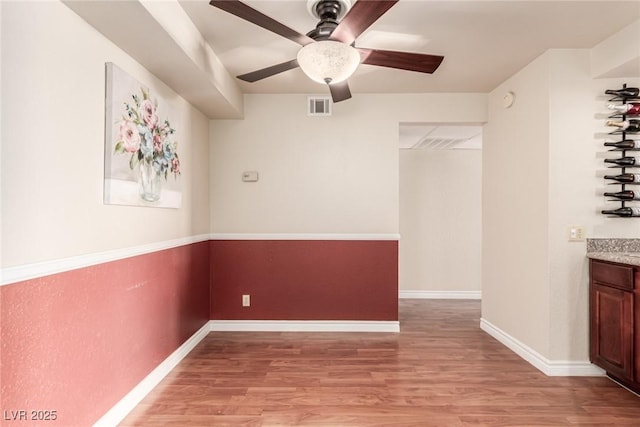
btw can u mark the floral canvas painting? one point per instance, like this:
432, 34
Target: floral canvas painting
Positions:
142, 163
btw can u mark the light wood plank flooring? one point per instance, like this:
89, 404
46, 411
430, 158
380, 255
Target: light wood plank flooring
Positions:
440, 370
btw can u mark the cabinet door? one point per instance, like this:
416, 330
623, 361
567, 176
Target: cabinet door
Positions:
612, 330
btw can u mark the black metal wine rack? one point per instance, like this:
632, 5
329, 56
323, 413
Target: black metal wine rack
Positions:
623, 135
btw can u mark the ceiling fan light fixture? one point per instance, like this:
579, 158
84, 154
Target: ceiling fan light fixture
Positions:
328, 61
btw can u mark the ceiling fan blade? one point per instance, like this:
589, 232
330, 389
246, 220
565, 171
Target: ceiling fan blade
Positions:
248, 13
340, 91
361, 15
419, 62
263, 73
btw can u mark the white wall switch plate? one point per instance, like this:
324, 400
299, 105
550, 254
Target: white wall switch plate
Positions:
246, 300
576, 233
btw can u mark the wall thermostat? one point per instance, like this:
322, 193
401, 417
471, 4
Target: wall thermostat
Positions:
250, 176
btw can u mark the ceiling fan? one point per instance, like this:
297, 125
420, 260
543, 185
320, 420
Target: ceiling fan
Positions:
328, 54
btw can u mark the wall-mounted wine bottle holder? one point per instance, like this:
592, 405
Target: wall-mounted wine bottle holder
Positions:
629, 154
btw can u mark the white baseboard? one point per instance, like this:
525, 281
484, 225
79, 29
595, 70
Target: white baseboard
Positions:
440, 295
559, 368
304, 236
120, 410
303, 326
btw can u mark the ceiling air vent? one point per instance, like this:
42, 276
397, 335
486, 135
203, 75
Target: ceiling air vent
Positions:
319, 106
439, 143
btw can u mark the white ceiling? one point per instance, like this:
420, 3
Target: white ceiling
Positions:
483, 42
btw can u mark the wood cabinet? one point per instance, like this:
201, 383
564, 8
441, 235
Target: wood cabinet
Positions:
615, 321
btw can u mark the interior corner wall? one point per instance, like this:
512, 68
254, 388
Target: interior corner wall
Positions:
515, 210
77, 340
577, 132
440, 220
576, 167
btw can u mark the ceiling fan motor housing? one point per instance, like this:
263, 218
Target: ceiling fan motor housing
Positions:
328, 11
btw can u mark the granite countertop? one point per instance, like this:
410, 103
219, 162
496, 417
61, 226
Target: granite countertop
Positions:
623, 251
630, 258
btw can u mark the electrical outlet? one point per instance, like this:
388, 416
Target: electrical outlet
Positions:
576, 233
246, 300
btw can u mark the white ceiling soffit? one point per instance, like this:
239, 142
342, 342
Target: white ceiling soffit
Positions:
423, 136
187, 63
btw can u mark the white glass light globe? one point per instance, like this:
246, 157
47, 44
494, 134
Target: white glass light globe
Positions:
328, 61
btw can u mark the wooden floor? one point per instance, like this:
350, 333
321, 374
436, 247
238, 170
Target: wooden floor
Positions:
440, 370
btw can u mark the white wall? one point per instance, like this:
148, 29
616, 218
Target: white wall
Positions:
335, 174
572, 176
440, 220
515, 154
53, 90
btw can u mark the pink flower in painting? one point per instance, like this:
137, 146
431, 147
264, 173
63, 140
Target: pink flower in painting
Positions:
157, 143
130, 136
148, 113
145, 138
175, 165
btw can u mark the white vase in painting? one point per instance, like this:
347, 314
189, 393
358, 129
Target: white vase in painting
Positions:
150, 183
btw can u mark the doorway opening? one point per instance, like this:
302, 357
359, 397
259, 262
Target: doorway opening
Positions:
440, 210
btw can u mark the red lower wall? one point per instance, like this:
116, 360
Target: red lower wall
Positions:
305, 279
77, 342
